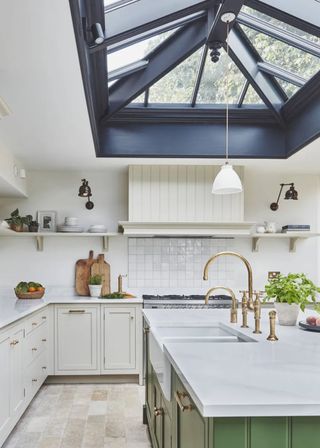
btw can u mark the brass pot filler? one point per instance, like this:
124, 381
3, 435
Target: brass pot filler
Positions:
248, 303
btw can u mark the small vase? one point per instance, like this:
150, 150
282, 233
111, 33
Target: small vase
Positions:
95, 290
16, 227
34, 227
287, 313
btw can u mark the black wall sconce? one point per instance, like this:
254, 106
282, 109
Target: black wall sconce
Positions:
85, 192
290, 194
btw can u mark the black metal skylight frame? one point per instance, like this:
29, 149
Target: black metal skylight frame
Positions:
114, 124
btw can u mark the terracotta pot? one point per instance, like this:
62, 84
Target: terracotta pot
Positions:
287, 313
16, 227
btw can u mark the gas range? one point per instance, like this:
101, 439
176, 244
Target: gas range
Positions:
183, 301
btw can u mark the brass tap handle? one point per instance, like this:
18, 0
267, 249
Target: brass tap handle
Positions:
244, 306
272, 319
257, 314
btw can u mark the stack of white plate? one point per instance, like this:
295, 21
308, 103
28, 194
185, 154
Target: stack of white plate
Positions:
97, 228
70, 225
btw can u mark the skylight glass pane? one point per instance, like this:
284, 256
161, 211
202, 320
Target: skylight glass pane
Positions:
213, 83
134, 52
289, 89
280, 24
139, 99
177, 86
283, 55
252, 97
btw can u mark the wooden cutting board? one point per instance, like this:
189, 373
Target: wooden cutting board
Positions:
83, 272
101, 267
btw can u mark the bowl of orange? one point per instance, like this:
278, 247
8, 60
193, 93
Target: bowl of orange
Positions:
29, 290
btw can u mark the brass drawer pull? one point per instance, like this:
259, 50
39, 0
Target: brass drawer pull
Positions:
44, 368
34, 380
157, 411
34, 324
76, 311
44, 317
34, 349
43, 340
183, 407
14, 342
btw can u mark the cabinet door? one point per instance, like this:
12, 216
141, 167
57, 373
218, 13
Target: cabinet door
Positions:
119, 338
76, 347
166, 431
17, 391
190, 426
5, 350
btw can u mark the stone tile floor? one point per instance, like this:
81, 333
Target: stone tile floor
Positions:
83, 416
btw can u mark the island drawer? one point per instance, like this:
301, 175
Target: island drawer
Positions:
36, 320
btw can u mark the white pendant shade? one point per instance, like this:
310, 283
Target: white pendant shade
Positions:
227, 181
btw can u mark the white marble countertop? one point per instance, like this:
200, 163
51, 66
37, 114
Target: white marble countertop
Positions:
13, 309
245, 378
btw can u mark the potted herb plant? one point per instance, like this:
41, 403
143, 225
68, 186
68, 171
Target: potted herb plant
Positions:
17, 222
291, 292
95, 285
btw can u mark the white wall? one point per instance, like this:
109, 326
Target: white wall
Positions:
58, 191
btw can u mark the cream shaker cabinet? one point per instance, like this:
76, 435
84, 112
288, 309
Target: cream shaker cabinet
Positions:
77, 339
119, 339
5, 375
17, 370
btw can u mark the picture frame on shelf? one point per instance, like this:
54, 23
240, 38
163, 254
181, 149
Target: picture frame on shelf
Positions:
47, 220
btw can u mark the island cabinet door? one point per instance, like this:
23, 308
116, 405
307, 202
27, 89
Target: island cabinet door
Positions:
77, 339
119, 339
189, 427
5, 351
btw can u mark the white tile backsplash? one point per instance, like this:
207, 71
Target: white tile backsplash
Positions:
176, 264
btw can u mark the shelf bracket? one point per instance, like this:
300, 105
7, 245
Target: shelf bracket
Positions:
39, 243
293, 244
105, 243
255, 244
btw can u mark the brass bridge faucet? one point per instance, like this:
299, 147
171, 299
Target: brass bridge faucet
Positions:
247, 265
234, 306
247, 303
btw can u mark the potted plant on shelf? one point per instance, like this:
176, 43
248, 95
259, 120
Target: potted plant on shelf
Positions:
95, 285
17, 222
291, 292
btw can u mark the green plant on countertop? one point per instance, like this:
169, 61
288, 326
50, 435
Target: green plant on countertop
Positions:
16, 221
292, 288
95, 280
114, 295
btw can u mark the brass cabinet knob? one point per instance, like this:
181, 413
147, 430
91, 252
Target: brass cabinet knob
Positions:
34, 349
34, 380
44, 340
44, 368
34, 324
44, 317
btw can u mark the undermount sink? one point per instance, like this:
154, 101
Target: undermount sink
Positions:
180, 334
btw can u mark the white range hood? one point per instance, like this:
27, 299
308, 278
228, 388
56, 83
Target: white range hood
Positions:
176, 200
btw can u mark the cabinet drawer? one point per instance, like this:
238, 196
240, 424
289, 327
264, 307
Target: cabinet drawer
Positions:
35, 343
36, 320
36, 374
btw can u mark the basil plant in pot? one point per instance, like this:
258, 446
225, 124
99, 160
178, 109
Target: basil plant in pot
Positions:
95, 285
292, 293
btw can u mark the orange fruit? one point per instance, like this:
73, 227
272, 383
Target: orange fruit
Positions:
31, 289
40, 288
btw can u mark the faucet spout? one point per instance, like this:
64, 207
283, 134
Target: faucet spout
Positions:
247, 265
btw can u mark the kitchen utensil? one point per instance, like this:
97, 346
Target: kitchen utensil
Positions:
30, 295
303, 324
101, 267
83, 268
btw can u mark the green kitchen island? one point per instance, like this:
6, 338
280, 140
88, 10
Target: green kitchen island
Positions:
242, 392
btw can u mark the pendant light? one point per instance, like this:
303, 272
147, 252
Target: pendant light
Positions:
227, 180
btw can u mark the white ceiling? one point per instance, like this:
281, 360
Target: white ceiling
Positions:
40, 80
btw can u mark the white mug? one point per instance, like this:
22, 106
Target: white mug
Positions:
270, 227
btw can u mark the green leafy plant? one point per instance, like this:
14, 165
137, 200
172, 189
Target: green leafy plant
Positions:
17, 220
95, 280
292, 288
